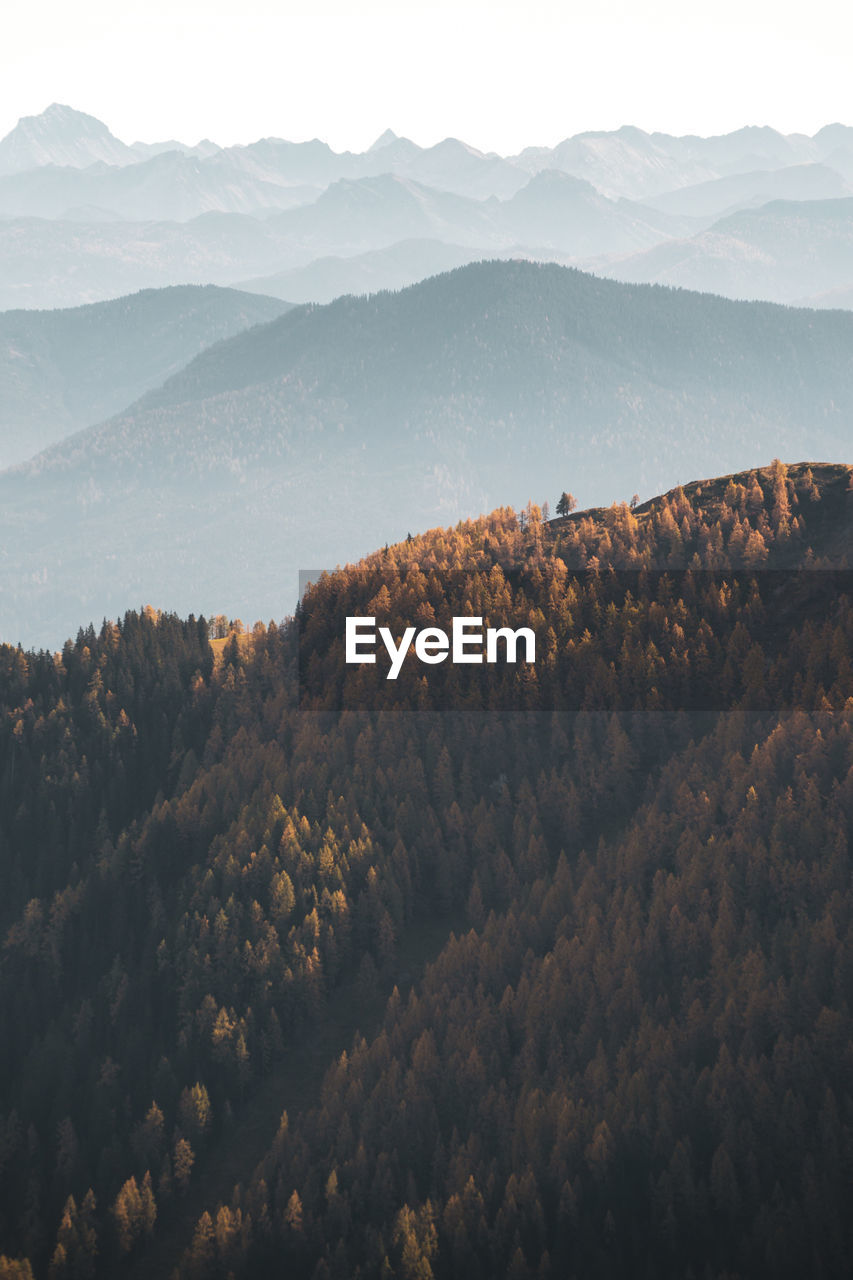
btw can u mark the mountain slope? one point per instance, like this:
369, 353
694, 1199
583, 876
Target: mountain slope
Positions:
46, 264
62, 370
87, 256
334, 428
632, 163
396, 267
744, 190
222, 215
782, 251
170, 186
450, 165
62, 136
570, 215
637, 1045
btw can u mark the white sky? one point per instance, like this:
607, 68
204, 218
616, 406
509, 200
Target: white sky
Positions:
499, 75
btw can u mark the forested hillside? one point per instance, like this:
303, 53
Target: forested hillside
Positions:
637, 1061
62, 370
308, 441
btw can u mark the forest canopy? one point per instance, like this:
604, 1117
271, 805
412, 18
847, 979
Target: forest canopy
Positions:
633, 1058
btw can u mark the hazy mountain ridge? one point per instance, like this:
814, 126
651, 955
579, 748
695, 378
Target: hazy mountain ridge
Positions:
783, 251
631, 162
170, 186
42, 260
395, 267
63, 370
746, 190
604, 898
61, 135
333, 428
592, 199
46, 264
624, 162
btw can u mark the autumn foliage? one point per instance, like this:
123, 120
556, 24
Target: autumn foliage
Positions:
637, 1059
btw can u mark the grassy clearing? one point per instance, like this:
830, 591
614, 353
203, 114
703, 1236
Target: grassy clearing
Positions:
244, 641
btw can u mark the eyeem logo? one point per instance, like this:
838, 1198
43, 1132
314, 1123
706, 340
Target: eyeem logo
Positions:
433, 645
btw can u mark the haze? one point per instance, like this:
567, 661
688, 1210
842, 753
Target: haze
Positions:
497, 76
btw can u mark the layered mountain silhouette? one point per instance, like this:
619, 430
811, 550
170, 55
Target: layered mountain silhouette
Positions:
400, 265
62, 370
61, 136
48, 264
301, 442
85, 217
632, 1053
627, 162
746, 190
786, 251
43, 260
169, 186
630, 162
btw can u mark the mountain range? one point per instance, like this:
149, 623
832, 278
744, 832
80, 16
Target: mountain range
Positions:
300, 442
60, 135
627, 162
785, 251
501, 970
43, 260
85, 217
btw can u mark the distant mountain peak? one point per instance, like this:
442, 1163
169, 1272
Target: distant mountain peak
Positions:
60, 116
384, 140
55, 109
60, 135
558, 180
454, 146
62, 111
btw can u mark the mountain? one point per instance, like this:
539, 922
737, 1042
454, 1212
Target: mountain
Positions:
122, 218
571, 216
783, 251
175, 183
307, 440
385, 139
584, 1076
627, 163
631, 163
396, 267
64, 137
171, 186
746, 190
205, 149
62, 370
552, 210
61, 136
44, 262
505, 970
832, 299
369, 213
450, 165
400, 265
